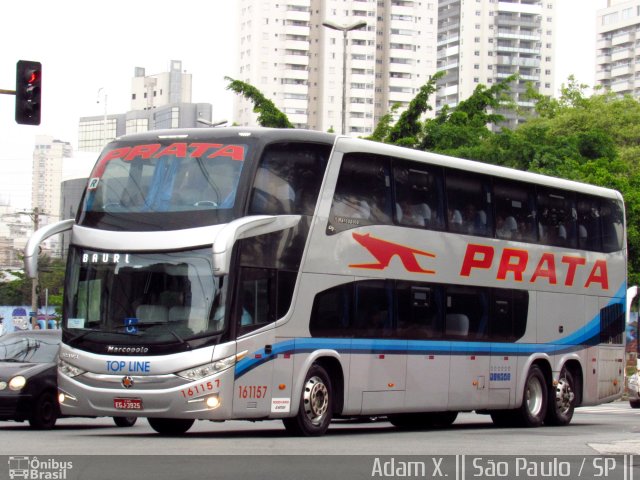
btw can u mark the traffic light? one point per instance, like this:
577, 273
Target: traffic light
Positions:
28, 92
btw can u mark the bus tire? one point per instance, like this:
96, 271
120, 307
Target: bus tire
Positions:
171, 426
418, 421
316, 405
45, 412
634, 403
125, 421
534, 400
503, 418
562, 400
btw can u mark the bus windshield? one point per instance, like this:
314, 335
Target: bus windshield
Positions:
150, 185
143, 297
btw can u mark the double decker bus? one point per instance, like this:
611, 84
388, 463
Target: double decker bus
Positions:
256, 274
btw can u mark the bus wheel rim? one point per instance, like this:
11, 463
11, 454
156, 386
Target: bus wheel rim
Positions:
564, 396
316, 400
534, 397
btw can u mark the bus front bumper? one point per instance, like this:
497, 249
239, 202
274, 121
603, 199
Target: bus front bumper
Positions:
201, 399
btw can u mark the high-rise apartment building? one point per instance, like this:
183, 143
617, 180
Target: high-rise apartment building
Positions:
486, 41
618, 47
157, 101
48, 157
297, 62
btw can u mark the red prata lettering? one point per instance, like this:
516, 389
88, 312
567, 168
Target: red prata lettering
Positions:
515, 261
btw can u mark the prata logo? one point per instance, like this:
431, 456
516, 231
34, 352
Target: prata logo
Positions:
383, 251
119, 349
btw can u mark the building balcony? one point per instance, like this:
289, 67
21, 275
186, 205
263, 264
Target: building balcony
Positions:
518, 61
603, 75
622, 70
518, 36
625, 86
603, 43
622, 54
621, 39
448, 40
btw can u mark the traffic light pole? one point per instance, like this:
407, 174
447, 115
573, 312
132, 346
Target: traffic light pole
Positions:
7, 92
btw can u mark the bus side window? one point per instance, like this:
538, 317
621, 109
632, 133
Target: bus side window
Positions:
467, 313
363, 193
557, 218
373, 303
468, 203
419, 311
612, 225
515, 211
256, 298
288, 179
418, 195
331, 312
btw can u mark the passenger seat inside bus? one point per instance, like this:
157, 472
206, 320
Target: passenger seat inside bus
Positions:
457, 325
152, 314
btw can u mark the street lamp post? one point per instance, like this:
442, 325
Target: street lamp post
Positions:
344, 29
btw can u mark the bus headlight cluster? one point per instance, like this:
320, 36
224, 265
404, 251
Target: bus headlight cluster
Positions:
68, 369
208, 369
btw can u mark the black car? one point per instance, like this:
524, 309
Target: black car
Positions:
28, 379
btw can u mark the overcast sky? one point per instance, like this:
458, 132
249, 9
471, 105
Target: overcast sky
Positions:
85, 46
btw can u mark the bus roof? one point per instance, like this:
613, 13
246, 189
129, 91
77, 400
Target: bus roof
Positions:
347, 144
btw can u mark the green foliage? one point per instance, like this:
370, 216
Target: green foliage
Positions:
268, 114
18, 291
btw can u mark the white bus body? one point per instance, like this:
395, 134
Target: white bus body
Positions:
401, 287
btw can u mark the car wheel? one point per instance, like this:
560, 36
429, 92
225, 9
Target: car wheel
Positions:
45, 412
125, 421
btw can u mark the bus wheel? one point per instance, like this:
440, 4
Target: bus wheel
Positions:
634, 403
315, 411
534, 400
45, 412
171, 426
417, 421
125, 421
561, 400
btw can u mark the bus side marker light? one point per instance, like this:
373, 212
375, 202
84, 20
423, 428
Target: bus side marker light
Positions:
391, 385
282, 386
474, 383
381, 356
615, 382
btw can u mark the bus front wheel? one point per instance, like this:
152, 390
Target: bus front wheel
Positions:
171, 426
316, 401
533, 410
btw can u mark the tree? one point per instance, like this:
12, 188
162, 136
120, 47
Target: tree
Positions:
268, 114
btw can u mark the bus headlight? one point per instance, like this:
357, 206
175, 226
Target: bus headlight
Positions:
208, 369
17, 383
68, 369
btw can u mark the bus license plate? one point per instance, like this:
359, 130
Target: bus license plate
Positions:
127, 403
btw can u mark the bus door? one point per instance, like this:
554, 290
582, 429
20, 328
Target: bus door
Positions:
466, 321
255, 318
379, 361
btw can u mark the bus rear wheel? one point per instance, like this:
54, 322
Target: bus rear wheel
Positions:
417, 421
533, 410
562, 400
316, 405
171, 426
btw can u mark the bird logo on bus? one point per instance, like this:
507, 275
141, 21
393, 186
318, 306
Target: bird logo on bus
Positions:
383, 251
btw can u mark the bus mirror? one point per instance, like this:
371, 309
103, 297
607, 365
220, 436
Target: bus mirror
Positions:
39, 236
245, 227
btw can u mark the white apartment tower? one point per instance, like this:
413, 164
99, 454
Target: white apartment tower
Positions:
618, 47
486, 41
297, 62
48, 157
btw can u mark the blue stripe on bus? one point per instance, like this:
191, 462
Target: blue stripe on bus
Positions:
589, 335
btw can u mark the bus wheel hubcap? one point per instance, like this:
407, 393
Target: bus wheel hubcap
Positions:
316, 400
564, 396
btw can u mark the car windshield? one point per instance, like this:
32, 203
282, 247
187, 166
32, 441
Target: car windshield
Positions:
153, 185
31, 349
143, 297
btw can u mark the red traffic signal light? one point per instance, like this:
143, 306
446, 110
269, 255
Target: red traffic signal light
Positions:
28, 92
